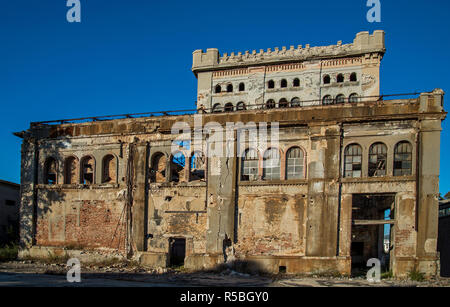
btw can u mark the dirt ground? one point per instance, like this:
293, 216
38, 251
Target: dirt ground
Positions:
32, 273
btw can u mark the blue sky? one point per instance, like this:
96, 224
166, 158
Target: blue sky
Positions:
135, 56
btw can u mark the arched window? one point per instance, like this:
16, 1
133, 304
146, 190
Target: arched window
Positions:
353, 97
177, 165
218, 88
353, 77
241, 87
50, 171
240, 106
71, 170
158, 169
283, 103
403, 159
295, 102
229, 107
352, 161
296, 82
326, 79
230, 88
87, 170
377, 160
271, 164
340, 98
340, 78
217, 108
283, 83
270, 104
109, 169
270, 84
327, 100
197, 166
294, 163
249, 168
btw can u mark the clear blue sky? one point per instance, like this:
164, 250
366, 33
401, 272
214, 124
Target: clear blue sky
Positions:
135, 56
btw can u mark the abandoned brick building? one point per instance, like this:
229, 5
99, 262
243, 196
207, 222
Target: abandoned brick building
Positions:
348, 168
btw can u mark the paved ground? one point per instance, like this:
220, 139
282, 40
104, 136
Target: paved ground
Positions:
29, 274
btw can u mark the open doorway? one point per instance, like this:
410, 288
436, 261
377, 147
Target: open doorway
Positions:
372, 237
177, 251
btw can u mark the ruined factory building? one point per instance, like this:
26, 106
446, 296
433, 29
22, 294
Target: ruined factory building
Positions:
352, 175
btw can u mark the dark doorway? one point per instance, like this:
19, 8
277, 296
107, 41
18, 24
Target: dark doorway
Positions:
177, 251
372, 221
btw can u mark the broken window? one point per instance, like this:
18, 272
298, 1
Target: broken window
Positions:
158, 169
218, 88
109, 167
240, 106
326, 79
197, 166
50, 171
241, 87
270, 84
249, 166
283, 103
230, 88
217, 108
177, 165
353, 97
87, 170
229, 107
402, 159
296, 82
377, 160
271, 164
327, 100
295, 102
283, 83
352, 164
294, 163
270, 104
70, 170
353, 77
340, 98
340, 78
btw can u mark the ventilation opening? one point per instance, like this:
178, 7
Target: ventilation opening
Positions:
177, 251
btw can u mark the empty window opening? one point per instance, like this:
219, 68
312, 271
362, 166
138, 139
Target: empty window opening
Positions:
177, 251
294, 163
271, 164
295, 102
327, 100
283, 103
158, 169
230, 88
282, 269
271, 84
352, 161
197, 167
270, 104
377, 160
340, 78
50, 171
217, 108
241, 87
109, 173
353, 77
218, 89
229, 107
240, 106
283, 83
402, 159
372, 221
177, 165
353, 97
326, 79
87, 170
296, 82
249, 170
70, 170
340, 98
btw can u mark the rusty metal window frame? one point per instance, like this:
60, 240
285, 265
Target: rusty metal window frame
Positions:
295, 163
377, 159
271, 164
353, 161
250, 165
403, 159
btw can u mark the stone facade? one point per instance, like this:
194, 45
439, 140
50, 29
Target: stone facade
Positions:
317, 204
